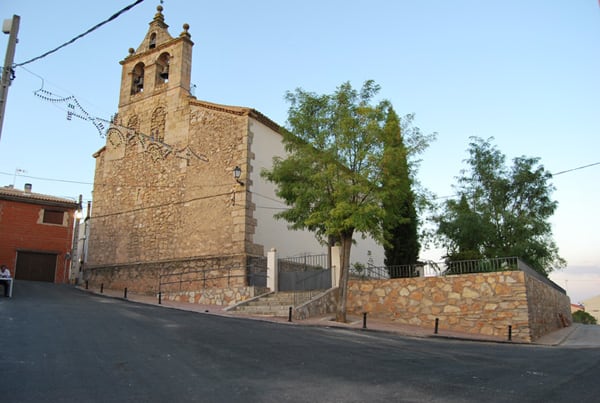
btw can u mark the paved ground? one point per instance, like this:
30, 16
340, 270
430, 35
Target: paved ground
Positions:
61, 344
576, 335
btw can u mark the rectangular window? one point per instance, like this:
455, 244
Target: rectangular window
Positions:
53, 217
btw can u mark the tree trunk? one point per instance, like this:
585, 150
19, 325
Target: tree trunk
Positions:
346, 240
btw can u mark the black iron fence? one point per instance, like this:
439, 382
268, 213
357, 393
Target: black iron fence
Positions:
306, 276
303, 263
435, 269
424, 269
256, 271
200, 279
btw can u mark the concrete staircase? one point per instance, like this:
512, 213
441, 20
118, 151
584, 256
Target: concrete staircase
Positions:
273, 304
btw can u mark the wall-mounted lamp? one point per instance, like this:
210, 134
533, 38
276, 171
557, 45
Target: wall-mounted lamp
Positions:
237, 173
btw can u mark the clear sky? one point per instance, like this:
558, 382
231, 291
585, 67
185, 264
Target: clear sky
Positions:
524, 72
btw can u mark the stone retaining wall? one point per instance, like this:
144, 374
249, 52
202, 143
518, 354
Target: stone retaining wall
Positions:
217, 296
483, 304
549, 309
220, 272
322, 304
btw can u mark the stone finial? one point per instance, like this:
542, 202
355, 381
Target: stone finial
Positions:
185, 32
159, 15
131, 51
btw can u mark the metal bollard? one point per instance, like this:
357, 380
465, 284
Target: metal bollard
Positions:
290, 315
364, 320
86, 284
437, 322
101, 288
509, 332
159, 298
125, 293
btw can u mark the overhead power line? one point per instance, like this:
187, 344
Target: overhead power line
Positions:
575, 169
554, 174
48, 179
112, 17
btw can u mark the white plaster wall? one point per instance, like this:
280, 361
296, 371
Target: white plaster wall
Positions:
272, 233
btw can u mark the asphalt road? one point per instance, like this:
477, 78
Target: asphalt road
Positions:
59, 344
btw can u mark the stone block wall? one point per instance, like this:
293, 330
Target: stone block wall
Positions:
217, 296
322, 304
217, 272
549, 309
482, 304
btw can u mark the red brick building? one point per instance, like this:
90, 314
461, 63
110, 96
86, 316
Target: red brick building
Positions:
36, 233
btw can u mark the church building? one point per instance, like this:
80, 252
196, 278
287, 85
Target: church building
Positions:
177, 187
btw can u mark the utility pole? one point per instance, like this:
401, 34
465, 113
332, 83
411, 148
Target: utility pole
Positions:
8, 74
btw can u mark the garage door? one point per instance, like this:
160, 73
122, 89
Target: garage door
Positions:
36, 266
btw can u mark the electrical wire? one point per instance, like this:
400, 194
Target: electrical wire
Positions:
575, 169
112, 17
48, 179
169, 204
555, 174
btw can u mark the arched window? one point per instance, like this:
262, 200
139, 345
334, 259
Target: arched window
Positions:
162, 68
137, 79
157, 128
152, 44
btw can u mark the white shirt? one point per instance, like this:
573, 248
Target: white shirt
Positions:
5, 273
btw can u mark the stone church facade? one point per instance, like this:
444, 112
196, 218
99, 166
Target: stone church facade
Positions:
165, 198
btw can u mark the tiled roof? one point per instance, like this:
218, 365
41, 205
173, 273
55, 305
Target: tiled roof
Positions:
37, 198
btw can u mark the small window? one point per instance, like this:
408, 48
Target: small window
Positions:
53, 217
152, 41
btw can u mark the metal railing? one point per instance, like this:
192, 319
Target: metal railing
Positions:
307, 287
482, 266
257, 273
436, 269
303, 263
306, 276
424, 269
183, 280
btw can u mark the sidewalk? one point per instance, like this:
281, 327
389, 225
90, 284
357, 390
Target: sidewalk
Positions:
356, 323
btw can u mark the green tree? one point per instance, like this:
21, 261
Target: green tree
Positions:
331, 178
501, 212
583, 317
400, 222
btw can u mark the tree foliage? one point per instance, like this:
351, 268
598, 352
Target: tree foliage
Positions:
400, 222
583, 317
331, 178
501, 211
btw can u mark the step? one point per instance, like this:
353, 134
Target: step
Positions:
257, 310
275, 304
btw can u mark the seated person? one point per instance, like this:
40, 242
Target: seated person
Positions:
5, 273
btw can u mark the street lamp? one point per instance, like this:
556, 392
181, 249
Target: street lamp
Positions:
237, 173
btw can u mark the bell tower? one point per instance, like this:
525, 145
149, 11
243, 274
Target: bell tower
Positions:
160, 63
155, 81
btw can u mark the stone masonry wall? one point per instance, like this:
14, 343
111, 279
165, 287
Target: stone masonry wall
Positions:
151, 206
549, 309
483, 304
217, 272
323, 304
217, 296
